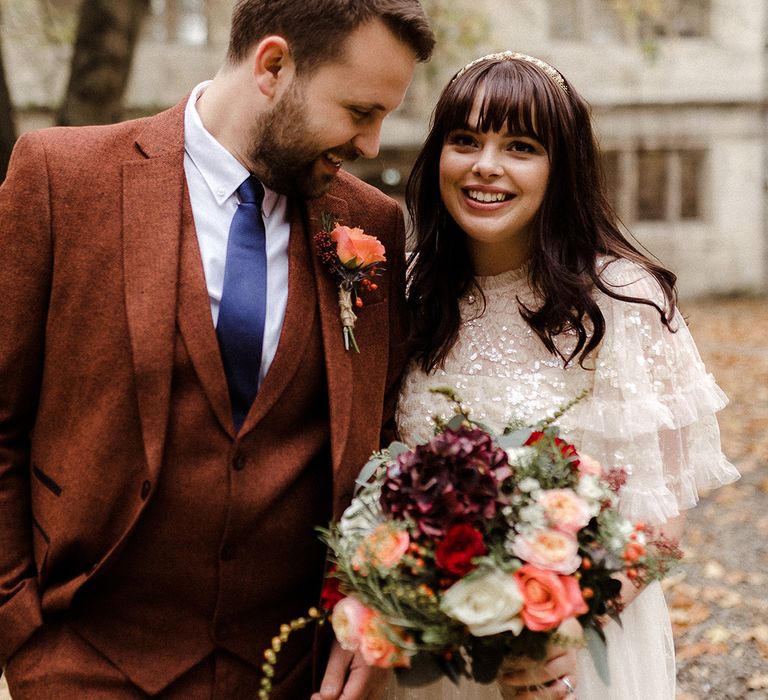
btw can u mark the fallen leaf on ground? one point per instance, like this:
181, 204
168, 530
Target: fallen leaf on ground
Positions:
697, 649
758, 682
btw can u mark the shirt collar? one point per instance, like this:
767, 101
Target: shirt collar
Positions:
222, 172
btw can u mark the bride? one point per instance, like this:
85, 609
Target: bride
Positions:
523, 293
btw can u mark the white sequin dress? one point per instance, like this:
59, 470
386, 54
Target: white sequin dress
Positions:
651, 410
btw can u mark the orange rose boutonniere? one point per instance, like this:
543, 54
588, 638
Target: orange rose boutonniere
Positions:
355, 259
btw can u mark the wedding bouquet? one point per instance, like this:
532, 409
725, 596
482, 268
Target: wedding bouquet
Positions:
473, 547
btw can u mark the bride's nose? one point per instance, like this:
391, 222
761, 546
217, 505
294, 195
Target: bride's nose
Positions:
487, 164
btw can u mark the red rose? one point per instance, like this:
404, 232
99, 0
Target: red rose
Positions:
330, 595
566, 449
461, 544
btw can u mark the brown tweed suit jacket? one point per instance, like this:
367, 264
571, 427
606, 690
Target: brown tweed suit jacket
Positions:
90, 231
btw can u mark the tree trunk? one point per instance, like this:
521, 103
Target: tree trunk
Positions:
7, 125
101, 61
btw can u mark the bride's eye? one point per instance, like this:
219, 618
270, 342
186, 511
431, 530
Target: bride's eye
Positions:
522, 147
459, 138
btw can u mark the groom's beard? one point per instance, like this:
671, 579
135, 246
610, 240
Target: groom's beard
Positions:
284, 154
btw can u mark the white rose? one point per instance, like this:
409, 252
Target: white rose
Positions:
487, 603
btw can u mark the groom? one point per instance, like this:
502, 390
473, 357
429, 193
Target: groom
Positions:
177, 408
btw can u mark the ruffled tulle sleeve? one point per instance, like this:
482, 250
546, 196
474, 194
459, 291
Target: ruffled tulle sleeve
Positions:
653, 404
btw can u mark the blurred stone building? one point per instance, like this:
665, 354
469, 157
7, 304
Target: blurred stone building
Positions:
679, 90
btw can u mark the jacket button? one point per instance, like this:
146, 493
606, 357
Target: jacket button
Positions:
238, 461
146, 487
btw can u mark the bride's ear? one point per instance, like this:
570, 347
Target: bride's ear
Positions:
273, 65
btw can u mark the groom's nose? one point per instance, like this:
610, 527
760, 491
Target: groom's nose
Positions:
367, 142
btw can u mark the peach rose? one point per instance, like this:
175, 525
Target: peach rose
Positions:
548, 599
549, 549
355, 248
377, 648
565, 510
349, 619
383, 548
589, 465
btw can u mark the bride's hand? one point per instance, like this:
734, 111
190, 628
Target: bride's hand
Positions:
550, 679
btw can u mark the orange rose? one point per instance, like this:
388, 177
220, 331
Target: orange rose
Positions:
377, 648
355, 248
383, 548
548, 598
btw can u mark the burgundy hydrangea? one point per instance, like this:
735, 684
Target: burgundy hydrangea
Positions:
452, 479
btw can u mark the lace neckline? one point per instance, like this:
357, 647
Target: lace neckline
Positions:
504, 280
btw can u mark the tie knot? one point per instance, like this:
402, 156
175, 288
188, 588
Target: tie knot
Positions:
251, 191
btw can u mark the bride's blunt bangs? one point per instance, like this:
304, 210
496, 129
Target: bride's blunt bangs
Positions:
515, 98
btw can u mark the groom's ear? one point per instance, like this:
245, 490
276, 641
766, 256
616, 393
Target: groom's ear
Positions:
272, 64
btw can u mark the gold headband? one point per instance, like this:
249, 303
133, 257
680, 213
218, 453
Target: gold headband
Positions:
553, 73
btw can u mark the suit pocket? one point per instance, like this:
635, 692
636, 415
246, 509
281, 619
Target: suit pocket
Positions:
46, 480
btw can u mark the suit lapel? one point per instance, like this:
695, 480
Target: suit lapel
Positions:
152, 194
338, 361
294, 335
196, 323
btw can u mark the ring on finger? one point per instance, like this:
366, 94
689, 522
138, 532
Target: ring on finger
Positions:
567, 683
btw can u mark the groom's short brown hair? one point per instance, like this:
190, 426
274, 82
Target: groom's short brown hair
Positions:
316, 29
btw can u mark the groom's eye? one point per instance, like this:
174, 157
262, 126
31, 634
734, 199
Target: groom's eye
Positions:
360, 112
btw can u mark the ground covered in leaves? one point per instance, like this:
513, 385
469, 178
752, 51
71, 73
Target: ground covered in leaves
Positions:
719, 598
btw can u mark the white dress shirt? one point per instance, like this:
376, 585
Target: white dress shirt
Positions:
213, 176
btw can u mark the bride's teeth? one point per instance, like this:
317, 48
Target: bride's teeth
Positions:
486, 196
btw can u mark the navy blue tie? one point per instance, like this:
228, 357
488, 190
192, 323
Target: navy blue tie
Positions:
240, 327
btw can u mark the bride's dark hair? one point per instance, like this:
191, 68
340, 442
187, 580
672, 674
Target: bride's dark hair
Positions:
574, 226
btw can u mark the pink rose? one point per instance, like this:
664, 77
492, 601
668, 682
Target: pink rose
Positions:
349, 619
355, 248
377, 647
565, 510
383, 548
548, 599
589, 465
549, 549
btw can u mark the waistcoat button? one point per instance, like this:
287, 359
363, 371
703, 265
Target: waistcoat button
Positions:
146, 487
238, 461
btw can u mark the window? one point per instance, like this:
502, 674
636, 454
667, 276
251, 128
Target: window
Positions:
604, 21
180, 21
656, 184
682, 18
651, 185
585, 20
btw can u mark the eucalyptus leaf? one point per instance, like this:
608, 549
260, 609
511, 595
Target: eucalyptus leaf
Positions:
599, 652
514, 439
395, 449
368, 470
456, 422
